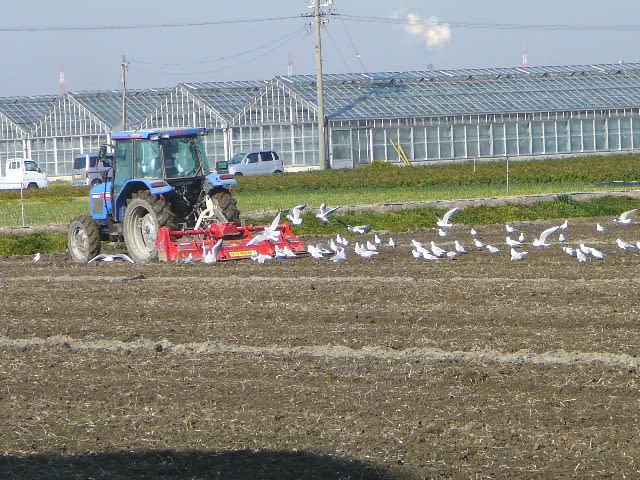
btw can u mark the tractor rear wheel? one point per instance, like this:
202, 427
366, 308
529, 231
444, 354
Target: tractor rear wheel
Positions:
227, 204
144, 215
83, 239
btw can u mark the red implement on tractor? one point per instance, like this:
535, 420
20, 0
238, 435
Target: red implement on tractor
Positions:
236, 242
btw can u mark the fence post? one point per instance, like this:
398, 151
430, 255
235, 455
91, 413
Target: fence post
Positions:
507, 175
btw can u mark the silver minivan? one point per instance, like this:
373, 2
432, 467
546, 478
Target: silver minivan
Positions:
263, 162
90, 169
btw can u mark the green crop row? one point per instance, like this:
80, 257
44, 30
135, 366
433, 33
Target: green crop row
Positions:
589, 170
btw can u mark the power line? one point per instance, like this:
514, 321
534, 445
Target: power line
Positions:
353, 18
353, 45
69, 28
337, 50
268, 47
493, 26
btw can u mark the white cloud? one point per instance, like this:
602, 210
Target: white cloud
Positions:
433, 33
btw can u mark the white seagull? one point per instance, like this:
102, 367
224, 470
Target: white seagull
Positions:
269, 234
600, 228
541, 241
581, 256
479, 245
295, 214
324, 212
428, 256
391, 243
359, 229
437, 251
442, 233
364, 253
511, 242
315, 252
110, 258
624, 217
445, 220
509, 228
624, 245
564, 225
36, 257
515, 256
211, 256
459, 248
339, 256
261, 258
492, 249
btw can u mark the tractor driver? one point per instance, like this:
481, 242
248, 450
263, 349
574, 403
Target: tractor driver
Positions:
180, 158
149, 160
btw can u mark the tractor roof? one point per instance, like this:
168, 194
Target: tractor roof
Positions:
159, 133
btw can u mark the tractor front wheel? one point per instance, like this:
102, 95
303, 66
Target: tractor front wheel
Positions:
83, 239
144, 215
227, 204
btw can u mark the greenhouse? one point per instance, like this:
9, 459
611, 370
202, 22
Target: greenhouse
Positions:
399, 117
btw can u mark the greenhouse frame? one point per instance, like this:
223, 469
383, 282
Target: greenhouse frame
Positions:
423, 116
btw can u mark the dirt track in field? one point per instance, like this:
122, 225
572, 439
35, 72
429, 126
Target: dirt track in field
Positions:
476, 367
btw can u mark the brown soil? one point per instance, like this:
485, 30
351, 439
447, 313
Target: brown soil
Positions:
477, 367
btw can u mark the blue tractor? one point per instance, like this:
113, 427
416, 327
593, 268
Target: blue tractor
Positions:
160, 178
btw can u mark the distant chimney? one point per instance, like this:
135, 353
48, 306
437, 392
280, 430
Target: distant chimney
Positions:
61, 79
290, 65
525, 58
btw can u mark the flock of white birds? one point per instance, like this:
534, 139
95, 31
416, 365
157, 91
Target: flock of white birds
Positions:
516, 242
335, 250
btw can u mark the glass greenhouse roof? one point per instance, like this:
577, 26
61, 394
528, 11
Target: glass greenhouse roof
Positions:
473, 91
26, 112
107, 105
227, 98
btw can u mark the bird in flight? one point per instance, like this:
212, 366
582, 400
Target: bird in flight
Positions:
624, 217
270, 234
295, 214
324, 213
104, 257
445, 220
541, 241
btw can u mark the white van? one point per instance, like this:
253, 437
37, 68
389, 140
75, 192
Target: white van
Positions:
89, 169
23, 173
263, 162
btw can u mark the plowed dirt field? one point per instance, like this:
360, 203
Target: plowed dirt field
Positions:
391, 367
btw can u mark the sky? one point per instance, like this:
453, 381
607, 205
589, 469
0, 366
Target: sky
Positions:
167, 42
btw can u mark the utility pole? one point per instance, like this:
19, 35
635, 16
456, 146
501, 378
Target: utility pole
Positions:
320, 99
123, 72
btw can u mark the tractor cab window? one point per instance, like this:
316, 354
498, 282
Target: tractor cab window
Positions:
148, 162
122, 164
183, 157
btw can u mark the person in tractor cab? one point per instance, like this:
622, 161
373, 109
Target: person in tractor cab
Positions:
149, 164
180, 161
